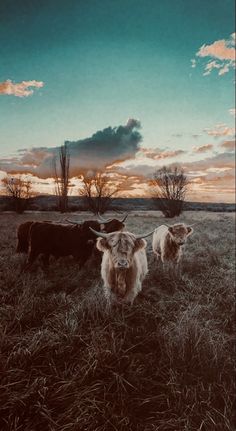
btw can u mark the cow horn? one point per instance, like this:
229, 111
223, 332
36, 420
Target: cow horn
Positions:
102, 219
145, 235
125, 217
72, 222
101, 234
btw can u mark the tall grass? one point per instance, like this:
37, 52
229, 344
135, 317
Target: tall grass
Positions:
71, 363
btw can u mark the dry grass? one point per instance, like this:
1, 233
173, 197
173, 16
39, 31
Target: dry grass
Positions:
69, 363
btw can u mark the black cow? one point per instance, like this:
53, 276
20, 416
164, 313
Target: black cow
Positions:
50, 239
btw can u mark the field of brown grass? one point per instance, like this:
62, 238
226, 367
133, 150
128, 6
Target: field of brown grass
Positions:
69, 363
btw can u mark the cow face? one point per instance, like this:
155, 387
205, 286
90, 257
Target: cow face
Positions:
121, 247
179, 233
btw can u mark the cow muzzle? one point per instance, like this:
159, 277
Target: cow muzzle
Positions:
122, 264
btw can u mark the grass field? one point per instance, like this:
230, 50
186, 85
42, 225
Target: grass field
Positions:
69, 363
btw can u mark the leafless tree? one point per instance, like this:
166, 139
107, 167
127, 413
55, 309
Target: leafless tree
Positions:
170, 186
98, 192
20, 190
62, 179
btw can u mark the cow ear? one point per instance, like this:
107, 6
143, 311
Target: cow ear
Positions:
190, 230
102, 244
139, 244
170, 229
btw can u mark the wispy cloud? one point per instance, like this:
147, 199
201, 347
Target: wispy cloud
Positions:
220, 55
203, 148
196, 135
177, 135
228, 145
20, 89
220, 130
158, 154
212, 178
232, 111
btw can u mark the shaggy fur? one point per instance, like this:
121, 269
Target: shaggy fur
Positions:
124, 265
168, 242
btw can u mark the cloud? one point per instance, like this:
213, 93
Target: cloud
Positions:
210, 66
214, 175
158, 154
219, 161
221, 55
20, 89
203, 148
101, 149
177, 135
228, 145
220, 130
232, 111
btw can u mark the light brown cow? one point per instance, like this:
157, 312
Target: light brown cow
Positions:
168, 242
124, 264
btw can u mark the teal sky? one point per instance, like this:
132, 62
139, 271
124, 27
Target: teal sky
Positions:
103, 62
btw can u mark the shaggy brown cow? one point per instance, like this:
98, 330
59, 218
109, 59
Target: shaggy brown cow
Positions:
168, 242
124, 264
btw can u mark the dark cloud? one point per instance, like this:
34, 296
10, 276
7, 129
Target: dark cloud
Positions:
101, 149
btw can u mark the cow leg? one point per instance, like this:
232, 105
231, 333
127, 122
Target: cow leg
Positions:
107, 293
164, 265
133, 292
129, 299
82, 260
45, 259
178, 269
22, 246
31, 258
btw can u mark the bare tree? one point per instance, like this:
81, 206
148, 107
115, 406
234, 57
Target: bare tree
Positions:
170, 186
62, 179
98, 192
20, 190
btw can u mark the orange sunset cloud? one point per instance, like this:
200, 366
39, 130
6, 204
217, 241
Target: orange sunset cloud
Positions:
20, 89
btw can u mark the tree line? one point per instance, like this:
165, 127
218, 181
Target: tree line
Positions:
169, 187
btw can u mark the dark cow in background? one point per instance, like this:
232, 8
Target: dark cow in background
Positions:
58, 240
23, 235
105, 225
49, 239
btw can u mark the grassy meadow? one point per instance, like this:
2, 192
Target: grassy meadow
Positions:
70, 363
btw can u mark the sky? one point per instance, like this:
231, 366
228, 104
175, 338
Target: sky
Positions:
131, 86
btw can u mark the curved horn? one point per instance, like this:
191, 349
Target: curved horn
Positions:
104, 220
101, 234
125, 217
101, 218
72, 222
145, 235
